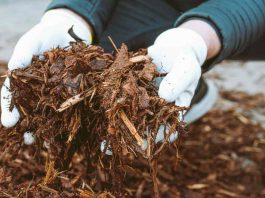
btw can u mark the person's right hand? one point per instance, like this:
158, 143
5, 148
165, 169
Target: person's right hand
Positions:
51, 32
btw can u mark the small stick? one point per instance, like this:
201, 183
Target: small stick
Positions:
94, 91
139, 58
85, 193
7, 74
132, 129
3, 76
76, 179
7, 195
74, 100
113, 44
23, 110
48, 173
47, 189
171, 130
148, 150
140, 189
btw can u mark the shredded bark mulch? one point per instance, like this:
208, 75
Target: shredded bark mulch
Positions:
222, 155
72, 100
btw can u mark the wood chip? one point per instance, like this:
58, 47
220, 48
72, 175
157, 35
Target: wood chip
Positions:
197, 186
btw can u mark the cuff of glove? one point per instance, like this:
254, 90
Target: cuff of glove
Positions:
210, 62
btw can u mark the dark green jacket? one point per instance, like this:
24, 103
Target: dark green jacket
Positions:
238, 22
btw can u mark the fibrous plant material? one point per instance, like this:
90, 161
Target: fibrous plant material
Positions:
222, 156
74, 99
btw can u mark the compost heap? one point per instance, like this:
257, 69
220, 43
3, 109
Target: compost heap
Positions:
74, 99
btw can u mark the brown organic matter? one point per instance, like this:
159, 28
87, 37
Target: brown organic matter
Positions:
72, 100
222, 156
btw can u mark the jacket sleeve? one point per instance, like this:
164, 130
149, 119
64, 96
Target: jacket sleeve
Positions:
238, 23
95, 12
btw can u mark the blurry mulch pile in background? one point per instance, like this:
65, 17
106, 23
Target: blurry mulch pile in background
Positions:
222, 156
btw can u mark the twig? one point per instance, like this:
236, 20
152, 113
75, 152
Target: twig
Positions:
27, 189
5, 194
139, 58
132, 129
23, 110
159, 150
154, 178
7, 74
93, 94
47, 189
113, 44
86, 194
140, 189
49, 172
74, 100
227, 193
3, 76
76, 179
148, 150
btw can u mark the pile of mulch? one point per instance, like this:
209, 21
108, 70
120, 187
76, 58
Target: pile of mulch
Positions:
74, 99
222, 155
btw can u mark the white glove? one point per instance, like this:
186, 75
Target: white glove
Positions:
179, 53
51, 32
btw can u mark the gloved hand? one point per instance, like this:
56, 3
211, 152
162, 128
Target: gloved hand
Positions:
178, 53
51, 32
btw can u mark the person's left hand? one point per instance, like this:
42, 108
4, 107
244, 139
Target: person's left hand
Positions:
178, 53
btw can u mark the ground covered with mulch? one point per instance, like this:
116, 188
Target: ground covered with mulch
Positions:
222, 155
